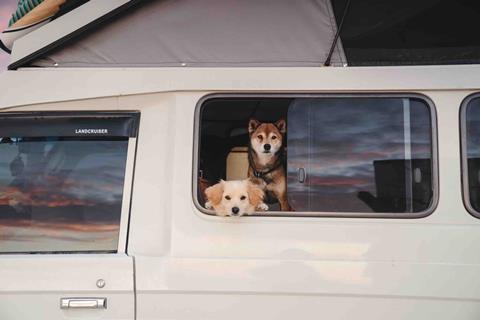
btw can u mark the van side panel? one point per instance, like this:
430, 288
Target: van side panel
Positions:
189, 265
207, 267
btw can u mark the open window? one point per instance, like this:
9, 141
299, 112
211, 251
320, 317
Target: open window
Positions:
356, 155
63, 178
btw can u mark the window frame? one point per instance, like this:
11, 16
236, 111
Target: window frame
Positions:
463, 154
128, 179
299, 214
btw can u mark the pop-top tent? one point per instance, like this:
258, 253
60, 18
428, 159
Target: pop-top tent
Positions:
251, 33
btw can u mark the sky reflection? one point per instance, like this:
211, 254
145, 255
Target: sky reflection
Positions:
339, 140
66, 194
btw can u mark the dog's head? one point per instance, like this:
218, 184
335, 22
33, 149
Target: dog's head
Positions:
266, 137
234, 198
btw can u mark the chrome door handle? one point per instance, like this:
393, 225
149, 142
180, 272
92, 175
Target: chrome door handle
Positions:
83, 303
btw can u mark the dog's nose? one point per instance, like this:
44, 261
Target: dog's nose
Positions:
267, 147
235, 210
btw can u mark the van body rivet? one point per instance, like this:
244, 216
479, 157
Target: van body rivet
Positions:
101, 283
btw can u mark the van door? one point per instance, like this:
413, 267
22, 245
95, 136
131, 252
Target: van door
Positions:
66, 287
65, 182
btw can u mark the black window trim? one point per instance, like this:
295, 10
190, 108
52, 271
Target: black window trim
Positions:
298, 214
463, 153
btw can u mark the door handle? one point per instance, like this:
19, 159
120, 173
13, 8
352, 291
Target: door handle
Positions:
83, 303
302, 175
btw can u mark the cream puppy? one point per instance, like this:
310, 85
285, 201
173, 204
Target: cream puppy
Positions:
235, 198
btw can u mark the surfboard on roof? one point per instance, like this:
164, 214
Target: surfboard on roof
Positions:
29, 16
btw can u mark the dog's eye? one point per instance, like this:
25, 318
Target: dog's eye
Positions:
274, 137
228, 198
243, 198
260, 137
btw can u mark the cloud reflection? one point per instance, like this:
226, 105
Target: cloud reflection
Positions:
339, 140
67, 196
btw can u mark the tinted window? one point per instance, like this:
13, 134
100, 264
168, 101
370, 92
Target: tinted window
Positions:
471, 125
61, 193
360, 155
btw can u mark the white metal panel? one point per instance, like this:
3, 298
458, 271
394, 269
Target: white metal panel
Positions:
245, 267
279, 289
127, 195
189, 265
32, 285
54, 85
240, 306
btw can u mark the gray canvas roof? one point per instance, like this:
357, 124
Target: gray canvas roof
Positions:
254, 33
208, 33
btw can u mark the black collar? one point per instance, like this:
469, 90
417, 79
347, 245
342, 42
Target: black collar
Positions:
263, 174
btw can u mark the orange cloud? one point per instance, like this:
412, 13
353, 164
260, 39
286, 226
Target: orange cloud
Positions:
39, 197
58, 225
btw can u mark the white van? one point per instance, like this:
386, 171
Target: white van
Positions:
104, 163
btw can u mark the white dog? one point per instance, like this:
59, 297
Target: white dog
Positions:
235, 198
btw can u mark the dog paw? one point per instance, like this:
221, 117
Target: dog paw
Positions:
208, 205
262, 207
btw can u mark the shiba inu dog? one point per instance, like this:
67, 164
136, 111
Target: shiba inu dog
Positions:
235, 198
266, 158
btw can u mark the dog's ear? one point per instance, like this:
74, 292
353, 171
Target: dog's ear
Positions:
255, 194
281, 126
253, 125
214, 193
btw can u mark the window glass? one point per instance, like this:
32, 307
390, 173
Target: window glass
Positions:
354, 155
360, 155
472, 130
61, 193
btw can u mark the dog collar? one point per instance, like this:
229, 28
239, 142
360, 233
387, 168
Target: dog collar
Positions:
262, 174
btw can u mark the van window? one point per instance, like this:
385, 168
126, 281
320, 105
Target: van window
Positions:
61, 182
343, 155
471, 153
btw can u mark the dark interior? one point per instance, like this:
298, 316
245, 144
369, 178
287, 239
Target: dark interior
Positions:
224, 125
408, 32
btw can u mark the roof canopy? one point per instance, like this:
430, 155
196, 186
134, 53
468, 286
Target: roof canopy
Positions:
233, 33
209, 33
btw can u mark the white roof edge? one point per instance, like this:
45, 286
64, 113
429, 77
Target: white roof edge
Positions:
62, 27
55, 85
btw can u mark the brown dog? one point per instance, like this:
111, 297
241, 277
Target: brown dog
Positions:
266, 158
